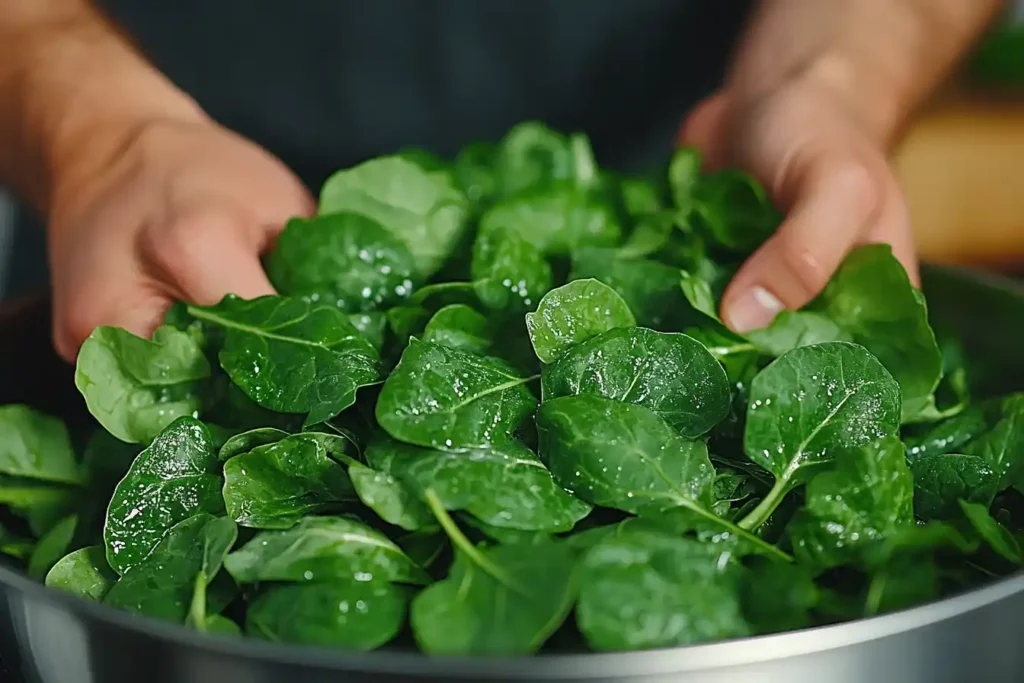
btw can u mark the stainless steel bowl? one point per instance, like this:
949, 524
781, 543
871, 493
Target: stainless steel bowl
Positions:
48, 637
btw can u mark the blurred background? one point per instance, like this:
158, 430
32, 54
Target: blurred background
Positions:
961, 163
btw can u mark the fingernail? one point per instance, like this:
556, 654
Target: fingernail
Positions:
754, 309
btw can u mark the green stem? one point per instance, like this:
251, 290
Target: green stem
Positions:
464, 545
767, 505
197, 610
744, 534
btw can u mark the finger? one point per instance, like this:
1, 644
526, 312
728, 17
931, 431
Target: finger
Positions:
893, 228
206, 254
835, 201
135, 307
706, 128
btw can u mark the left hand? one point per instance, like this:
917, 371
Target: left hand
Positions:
824, 168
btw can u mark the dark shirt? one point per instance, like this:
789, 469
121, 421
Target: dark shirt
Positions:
325, 84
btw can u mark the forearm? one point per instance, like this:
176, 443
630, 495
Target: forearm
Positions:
882, 56
69, 85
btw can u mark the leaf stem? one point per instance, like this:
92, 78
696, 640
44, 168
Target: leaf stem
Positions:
197, 610
463, 544
742, 533
767, 506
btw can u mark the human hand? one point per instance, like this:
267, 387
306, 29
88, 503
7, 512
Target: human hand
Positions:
824, 167
165, 211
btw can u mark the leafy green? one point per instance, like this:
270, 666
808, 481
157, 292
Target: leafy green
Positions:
439, 397
135, 387
575, 313
672, 374
460, 327
393, 501
36, 446
292, 357
811, 404
994, 533
322, 549
172, 480
53, 545
274, 486
162, 585
942, 481
342, 259
354, 615
84, 573
508, 271
424, 210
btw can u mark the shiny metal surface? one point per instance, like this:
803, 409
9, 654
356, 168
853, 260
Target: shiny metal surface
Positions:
54, 638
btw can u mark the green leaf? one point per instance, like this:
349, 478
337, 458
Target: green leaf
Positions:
162, 585
867, 497
698, 293
247, 441
732, 210
574, 313
135, 387
393, 501
811, 404
322, 549
459, 326
556, 220
1003, 447
505, 485
871, 298
172, 480
672, 374
649, 288
941, 481
36, 446
276, 485
216, 623
643, 589
51, 547
293, 357
509, 272
443, 398
994, 533
683, 176
779, 597
352, 615
793, 329
949, 436
496, 601
84, 573
342, 259
533, 156
424, 210
372, 325
40, 503
474, 175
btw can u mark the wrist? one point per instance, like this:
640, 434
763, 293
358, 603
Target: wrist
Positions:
82, 93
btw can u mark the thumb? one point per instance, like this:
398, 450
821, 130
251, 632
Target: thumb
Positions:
835, 201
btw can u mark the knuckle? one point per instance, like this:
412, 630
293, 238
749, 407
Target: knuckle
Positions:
177, 246
807, 267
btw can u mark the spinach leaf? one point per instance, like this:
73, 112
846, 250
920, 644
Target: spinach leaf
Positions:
51, 547
732, 210
459, 326
626, 457
871, 298
645, 589
793, 329
393, 501
172, 480
372, 325
867, 497
135, 387
1003, 447
649, 288
994, 533
941, 481
162, 585
811, 404
672, 374
291, 356
276, 485
495, 601
247, 441
573, 314
504, 485
533, 156
424, 210
443, 398
556, 220
353, 615
36, 446
683, 176
508, 271
341, 259
949, 436
322, 549
84, 573
778, 597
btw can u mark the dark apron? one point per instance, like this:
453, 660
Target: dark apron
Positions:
325, 84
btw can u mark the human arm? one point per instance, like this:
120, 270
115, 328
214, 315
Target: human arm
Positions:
146, 198
816, 95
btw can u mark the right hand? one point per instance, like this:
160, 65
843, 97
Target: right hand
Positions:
143, 216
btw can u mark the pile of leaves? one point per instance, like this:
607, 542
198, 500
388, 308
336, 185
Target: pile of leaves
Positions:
493, 411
